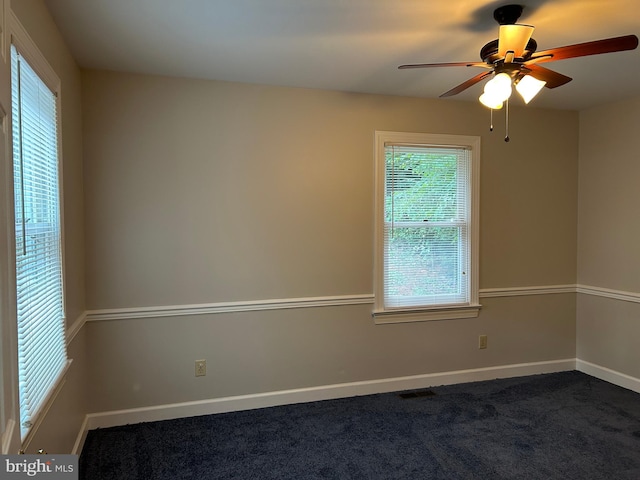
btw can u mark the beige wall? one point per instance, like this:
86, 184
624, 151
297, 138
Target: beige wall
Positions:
609, 236
59, 429
146, 362
203, 192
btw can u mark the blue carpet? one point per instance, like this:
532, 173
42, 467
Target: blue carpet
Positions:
567, 426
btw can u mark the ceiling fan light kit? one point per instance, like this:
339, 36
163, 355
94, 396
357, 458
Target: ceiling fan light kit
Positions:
491, 102
512, 60
497, 90
528, 87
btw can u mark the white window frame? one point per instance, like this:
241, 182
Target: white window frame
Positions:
20, 38
383, 314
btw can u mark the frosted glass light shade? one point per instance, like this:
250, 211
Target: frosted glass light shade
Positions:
499, 87
528, 87
490, 102
514, 38
496, 91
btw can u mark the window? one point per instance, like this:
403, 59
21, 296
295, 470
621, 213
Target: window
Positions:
42, 355
426, 265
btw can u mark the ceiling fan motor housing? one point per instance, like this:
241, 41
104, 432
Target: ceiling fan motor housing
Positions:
507, 14
489, 53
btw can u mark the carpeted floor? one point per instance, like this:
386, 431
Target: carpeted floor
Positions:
556, 426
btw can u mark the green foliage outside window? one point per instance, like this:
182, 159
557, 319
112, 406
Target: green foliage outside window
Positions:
422, 221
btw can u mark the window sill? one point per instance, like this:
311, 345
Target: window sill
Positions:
383, 317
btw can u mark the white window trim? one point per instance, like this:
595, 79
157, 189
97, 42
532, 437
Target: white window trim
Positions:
403, 315
28, 49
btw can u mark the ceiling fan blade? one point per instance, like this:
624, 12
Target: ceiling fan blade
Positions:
451, 64
553, 79
537, 59
463, 86
514, 38
608, 45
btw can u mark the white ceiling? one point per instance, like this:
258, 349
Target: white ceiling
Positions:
347, 45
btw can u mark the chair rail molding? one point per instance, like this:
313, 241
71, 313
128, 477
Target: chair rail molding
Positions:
130, 313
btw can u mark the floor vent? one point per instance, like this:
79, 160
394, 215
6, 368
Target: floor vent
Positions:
418, 394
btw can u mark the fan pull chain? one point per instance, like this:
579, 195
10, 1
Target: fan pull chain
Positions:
491, 122
506, 137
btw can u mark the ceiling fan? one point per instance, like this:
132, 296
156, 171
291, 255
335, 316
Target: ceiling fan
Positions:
512, 60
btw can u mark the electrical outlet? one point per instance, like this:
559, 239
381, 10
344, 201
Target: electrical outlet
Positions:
201, 368
482, 341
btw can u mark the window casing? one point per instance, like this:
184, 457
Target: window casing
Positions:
426, 207
42, 357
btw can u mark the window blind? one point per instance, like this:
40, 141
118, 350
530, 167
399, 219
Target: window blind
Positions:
427, 244
40, 314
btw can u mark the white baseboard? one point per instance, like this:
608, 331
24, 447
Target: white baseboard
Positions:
310, 394
327, 392
82, 436
608, 375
